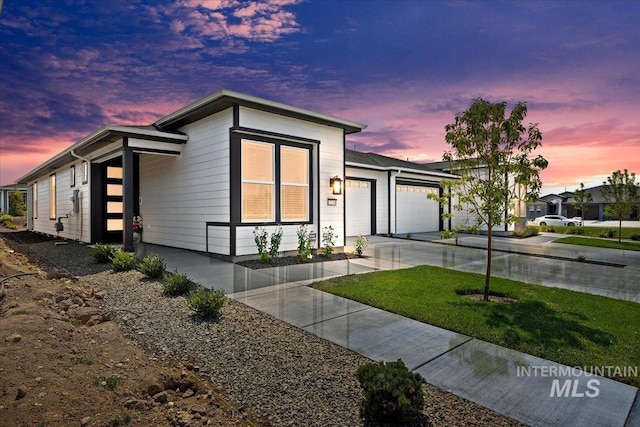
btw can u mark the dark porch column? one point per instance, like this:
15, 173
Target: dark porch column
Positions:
128, 196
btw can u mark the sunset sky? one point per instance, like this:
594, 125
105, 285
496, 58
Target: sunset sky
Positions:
405, 68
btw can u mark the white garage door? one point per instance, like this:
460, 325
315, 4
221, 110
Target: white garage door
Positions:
358, 207
414, 212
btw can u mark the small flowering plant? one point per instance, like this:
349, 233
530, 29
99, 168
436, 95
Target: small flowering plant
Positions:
137, 224
328, 241
361, 244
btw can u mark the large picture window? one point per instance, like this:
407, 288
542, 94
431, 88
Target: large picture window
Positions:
275, 182
52, 196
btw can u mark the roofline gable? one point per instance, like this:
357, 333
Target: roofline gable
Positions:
224, 99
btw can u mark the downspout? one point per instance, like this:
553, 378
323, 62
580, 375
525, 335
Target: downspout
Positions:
84, 159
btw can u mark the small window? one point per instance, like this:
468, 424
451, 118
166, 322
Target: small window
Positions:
35, 200
85, 172
72, 176
294, 186
364, 184
52, 196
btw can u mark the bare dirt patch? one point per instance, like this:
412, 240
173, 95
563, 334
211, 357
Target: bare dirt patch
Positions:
64, 362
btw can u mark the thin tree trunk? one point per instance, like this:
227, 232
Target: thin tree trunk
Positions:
620, 229
487, 277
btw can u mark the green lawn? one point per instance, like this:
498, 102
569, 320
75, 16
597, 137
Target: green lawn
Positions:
572, 328
600, 243
591, 231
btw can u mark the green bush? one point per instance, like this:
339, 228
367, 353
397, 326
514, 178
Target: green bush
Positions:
124, 261
206, 303
528, 231
153, 266
177, 284
635, 237
610, 233
6, 217
103, 254
392, 393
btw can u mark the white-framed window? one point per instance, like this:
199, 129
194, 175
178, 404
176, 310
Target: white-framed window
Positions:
34, 188
294, 183
72, 176
52, 196
258, 181
85, 172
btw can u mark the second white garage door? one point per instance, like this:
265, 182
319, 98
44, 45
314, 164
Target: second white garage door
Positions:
358, 207
414, 212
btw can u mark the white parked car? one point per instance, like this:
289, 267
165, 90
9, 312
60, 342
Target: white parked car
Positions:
557, 220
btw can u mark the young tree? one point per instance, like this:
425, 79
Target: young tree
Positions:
17, 206
493, 155
623, 194
582, 198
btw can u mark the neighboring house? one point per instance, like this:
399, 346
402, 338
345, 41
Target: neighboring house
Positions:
4, 195
201, 178
384, 195
564, 204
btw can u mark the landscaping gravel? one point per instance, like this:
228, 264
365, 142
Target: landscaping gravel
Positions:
282, 375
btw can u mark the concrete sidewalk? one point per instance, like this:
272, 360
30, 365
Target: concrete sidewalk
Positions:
529, 389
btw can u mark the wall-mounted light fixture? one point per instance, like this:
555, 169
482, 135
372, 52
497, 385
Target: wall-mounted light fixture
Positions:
336, 185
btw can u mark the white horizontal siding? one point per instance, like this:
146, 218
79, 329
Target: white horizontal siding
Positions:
246, 245
219, 242
76, 226
179, 195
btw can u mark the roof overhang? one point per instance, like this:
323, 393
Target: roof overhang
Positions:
440, 175
224, 99
96, 140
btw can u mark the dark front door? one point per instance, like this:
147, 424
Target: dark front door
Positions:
113, 205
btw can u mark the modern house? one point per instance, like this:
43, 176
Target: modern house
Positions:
205, 176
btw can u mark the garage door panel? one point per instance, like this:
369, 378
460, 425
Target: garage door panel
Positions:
358, 207
414, 212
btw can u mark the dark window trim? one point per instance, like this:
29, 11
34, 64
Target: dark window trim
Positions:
272, 135
278, 184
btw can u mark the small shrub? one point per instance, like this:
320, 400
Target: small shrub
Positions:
304, 243
107, 382
82, 360
260, 237
124, 261
6, 218
392, 393
578, 230
528, 231
206, 303
635, 237
177, 284
361, 244
550, 229
103, 254
608, 234
153, 266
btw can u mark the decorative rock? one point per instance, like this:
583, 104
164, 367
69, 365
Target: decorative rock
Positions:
85, 421
161, 397
187, 394
22, 392
13, 338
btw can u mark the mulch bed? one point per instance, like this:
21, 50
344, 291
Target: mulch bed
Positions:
256, 264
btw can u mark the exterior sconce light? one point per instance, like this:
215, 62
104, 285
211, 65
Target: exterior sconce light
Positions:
336, 185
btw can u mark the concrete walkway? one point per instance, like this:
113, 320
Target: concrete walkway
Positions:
529, 389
